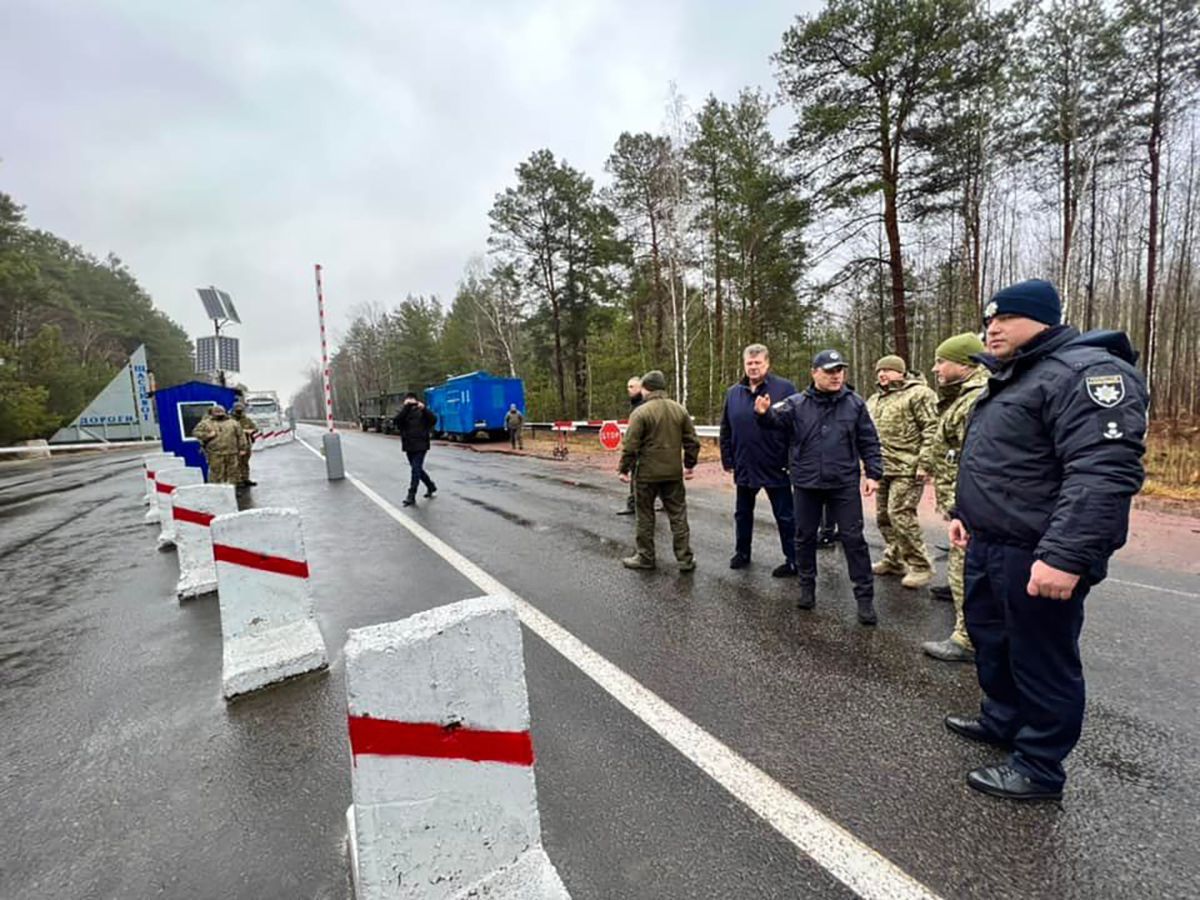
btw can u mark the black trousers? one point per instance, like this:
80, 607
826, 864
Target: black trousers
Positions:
416, 461
843, 506
782, 507
1027, 659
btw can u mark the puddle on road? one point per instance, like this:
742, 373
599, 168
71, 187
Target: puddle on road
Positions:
507, 515
569, 482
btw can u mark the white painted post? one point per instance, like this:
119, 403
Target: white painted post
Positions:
445, 803
149, 462
167, 483
156, 504
268, 617
193, 509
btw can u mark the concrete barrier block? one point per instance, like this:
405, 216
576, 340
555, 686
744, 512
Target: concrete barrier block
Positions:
150, 462
156, 503
193, 509
166, 484
445, 801
38, 448
268, 617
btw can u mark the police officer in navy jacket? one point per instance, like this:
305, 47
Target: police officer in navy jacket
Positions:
1050, 464
758, 459
832, 439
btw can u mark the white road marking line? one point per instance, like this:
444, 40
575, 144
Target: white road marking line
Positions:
1149, 587
856, 865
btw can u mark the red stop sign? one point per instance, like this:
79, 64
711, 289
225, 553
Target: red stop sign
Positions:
610, 435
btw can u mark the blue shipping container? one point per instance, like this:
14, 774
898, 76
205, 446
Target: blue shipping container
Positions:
477, 401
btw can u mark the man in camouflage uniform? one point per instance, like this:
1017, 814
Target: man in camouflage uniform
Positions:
250, 430
223, 442
957, 374
659, 452
904, 410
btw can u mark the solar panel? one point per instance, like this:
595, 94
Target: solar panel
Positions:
230, 309
206, 355
212, 302
230, 354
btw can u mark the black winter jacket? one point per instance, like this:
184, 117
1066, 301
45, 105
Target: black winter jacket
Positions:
757, 456
1052, 455
414, 425
831, 436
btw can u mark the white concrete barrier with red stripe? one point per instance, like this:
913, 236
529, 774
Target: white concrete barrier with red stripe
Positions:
264, 439
268, 617
193, 509
445, 803
150, 462
156, 499
166, 484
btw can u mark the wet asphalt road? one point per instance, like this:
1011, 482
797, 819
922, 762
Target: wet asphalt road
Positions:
125, 774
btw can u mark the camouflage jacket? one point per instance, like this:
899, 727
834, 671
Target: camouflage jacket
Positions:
220, 437
247, 424
660, 441
942, 458
905, 416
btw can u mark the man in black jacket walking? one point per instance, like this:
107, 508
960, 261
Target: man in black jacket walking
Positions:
832, 438
1047, 472
414, 423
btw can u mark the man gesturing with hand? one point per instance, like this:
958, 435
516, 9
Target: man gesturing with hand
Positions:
831, 441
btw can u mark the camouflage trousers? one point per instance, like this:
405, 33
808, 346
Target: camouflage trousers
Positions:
223, 469
244, 468
955, 565
896, 515
674, 501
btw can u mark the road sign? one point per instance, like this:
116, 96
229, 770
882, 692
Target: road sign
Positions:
610, 435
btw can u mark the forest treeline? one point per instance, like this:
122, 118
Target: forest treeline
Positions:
935, 150
68, 322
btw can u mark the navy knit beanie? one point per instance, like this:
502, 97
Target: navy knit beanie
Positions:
1034, 299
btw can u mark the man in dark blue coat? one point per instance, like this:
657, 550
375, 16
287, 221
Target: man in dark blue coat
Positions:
414, 423
758, 459
1050, 464
832, 439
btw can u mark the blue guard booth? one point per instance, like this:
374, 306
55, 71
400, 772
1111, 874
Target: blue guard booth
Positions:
180, 408
478, 401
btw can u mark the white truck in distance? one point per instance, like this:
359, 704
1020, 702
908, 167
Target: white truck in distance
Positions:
264, 409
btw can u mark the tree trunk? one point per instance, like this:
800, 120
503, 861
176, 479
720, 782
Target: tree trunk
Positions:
719, 310
890, 150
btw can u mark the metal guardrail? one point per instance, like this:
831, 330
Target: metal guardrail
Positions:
35, 451
593, 427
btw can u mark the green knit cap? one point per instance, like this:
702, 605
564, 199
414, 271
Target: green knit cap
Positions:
895, 363
960, 348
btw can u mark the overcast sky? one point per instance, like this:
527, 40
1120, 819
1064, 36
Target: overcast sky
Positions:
238, 143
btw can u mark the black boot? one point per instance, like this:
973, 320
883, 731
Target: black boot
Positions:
410, 500
431, 490
866, 611
808, 596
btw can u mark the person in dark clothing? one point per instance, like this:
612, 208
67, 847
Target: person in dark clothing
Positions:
414, 423
832, 438
1048, 469
634, 387
758, 459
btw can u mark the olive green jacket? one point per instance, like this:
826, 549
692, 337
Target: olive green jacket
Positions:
905, 415
247, 424
941, 461
660, 441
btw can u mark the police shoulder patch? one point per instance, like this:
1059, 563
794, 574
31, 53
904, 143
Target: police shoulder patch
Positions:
1105, 390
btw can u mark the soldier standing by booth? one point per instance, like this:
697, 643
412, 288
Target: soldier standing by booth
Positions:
250, 430
223, 442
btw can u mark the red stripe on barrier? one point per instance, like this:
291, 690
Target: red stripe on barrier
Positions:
236, 556
163, 488
193, 516
383, 737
